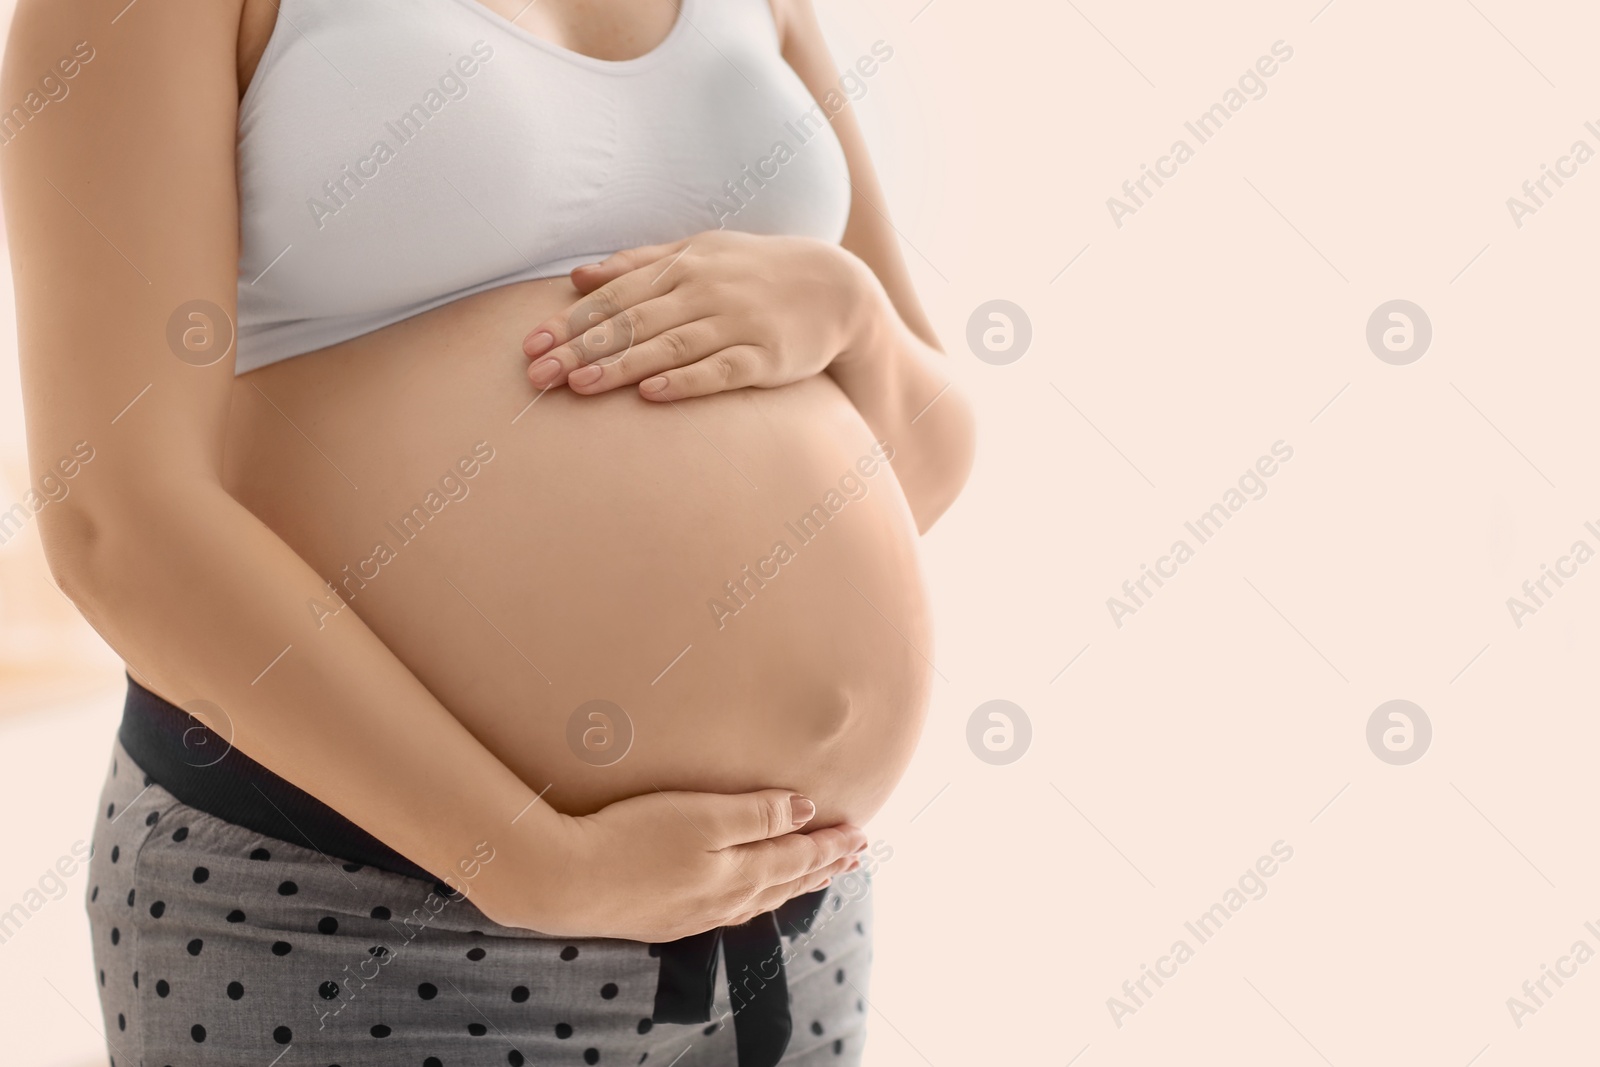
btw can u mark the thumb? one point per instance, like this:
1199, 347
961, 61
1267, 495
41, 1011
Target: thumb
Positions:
592, 276
747, 817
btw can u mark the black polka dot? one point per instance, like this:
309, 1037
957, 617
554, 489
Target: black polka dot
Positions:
381, 1031
591, 1055
151, 819
116, 853
197, 1032
861, 1007
102, 977
236, 916
158, 909
116, 935
94, 894
515, 1058
608, 990
427, 990
122, 1021
838, 976
861, 930
287, 889
380, 912
816, 1028
282, 1035
519, 994
713, 1028
180, 833
817, 954
378, 951
563, 1030
838, 1048
570, 952
477, 1029
195, 946
200, 875
352, 868
476, 954
327, 924
328, 990
260, 854
433, 1061
110, 810
235, 991
645, 1025
162, 988
130, 898
136, 979
281, 948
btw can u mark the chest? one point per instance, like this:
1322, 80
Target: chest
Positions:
612, 30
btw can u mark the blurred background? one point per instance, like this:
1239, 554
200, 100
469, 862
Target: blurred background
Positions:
1160, 343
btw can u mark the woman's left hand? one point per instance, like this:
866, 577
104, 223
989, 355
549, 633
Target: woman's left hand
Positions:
717, 311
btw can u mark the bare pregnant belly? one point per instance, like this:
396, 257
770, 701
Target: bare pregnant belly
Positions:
613, 595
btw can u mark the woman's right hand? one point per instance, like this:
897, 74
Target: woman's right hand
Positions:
666, 865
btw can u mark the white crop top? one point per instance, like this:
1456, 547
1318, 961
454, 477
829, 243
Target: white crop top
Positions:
396, 155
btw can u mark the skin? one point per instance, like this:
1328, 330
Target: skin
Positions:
122, 206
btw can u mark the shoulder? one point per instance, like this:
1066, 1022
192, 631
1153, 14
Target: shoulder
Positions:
792, 18
799, 34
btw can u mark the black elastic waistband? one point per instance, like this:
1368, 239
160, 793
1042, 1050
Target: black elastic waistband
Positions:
202, 769
186, 758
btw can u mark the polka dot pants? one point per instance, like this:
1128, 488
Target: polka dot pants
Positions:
217, 946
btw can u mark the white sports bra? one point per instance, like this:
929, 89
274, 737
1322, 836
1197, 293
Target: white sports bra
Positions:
396, 155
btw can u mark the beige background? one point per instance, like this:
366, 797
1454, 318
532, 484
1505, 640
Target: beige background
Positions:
1230, 712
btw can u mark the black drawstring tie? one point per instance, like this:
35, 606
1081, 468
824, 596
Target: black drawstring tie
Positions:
758, 988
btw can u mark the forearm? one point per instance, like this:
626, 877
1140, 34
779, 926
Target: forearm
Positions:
205, 603
902, 387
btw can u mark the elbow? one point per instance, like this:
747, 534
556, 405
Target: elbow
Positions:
948, 449
69, 534
97, 548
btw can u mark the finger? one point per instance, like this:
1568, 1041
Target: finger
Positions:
728, 821
667, 350
783, 859
593, 275
779, 895
609, 339
604, 302
730, 368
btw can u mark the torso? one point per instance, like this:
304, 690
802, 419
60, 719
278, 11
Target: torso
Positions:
584, 558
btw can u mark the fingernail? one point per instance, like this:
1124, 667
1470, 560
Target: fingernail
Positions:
654, 385
539, 343
860, 848
801, 810
545, 372
585, 376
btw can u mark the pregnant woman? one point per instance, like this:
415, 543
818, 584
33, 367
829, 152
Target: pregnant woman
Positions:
509, 429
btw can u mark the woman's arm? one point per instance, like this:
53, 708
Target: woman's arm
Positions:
121, 204
892, 367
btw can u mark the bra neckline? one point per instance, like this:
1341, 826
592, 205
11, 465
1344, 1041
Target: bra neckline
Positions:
610, 66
